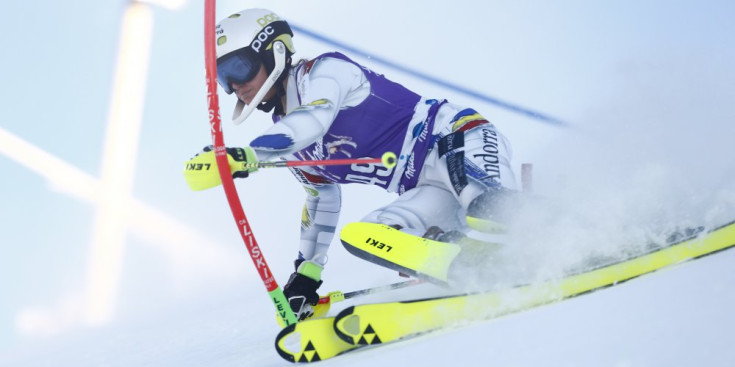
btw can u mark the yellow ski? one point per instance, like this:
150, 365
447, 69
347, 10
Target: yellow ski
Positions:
374, 324
386, 322
310, 341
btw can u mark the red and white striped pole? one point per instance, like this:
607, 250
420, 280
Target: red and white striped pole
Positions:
256, 254
527, 177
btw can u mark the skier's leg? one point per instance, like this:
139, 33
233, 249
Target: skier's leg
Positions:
491, 192
475, 165
418, 209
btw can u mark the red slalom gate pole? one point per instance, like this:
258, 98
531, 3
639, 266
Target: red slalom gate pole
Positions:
527, 177
210, 57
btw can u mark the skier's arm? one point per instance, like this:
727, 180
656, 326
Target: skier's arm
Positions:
325, 91
319, 217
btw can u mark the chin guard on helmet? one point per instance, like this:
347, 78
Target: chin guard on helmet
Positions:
242, 111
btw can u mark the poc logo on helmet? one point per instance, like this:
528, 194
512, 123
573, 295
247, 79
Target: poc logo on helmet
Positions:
272, 17
261, 37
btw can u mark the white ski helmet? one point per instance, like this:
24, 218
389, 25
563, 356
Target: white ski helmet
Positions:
245, 41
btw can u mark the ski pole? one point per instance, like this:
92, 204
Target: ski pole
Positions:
283, 309
322, 307
199, 171
339, 296
388, 160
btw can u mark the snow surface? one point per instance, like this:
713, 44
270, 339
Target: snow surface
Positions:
646, 86
681, 316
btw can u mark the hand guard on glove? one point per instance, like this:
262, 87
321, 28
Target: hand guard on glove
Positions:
201, 171
301, 288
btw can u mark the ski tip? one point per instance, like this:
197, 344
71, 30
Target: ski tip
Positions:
280, 340
344, 321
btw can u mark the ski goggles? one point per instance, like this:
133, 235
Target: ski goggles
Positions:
239, 67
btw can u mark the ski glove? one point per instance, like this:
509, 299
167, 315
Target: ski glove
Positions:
201, 171
301, 289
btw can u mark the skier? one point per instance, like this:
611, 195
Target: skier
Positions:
451, 160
